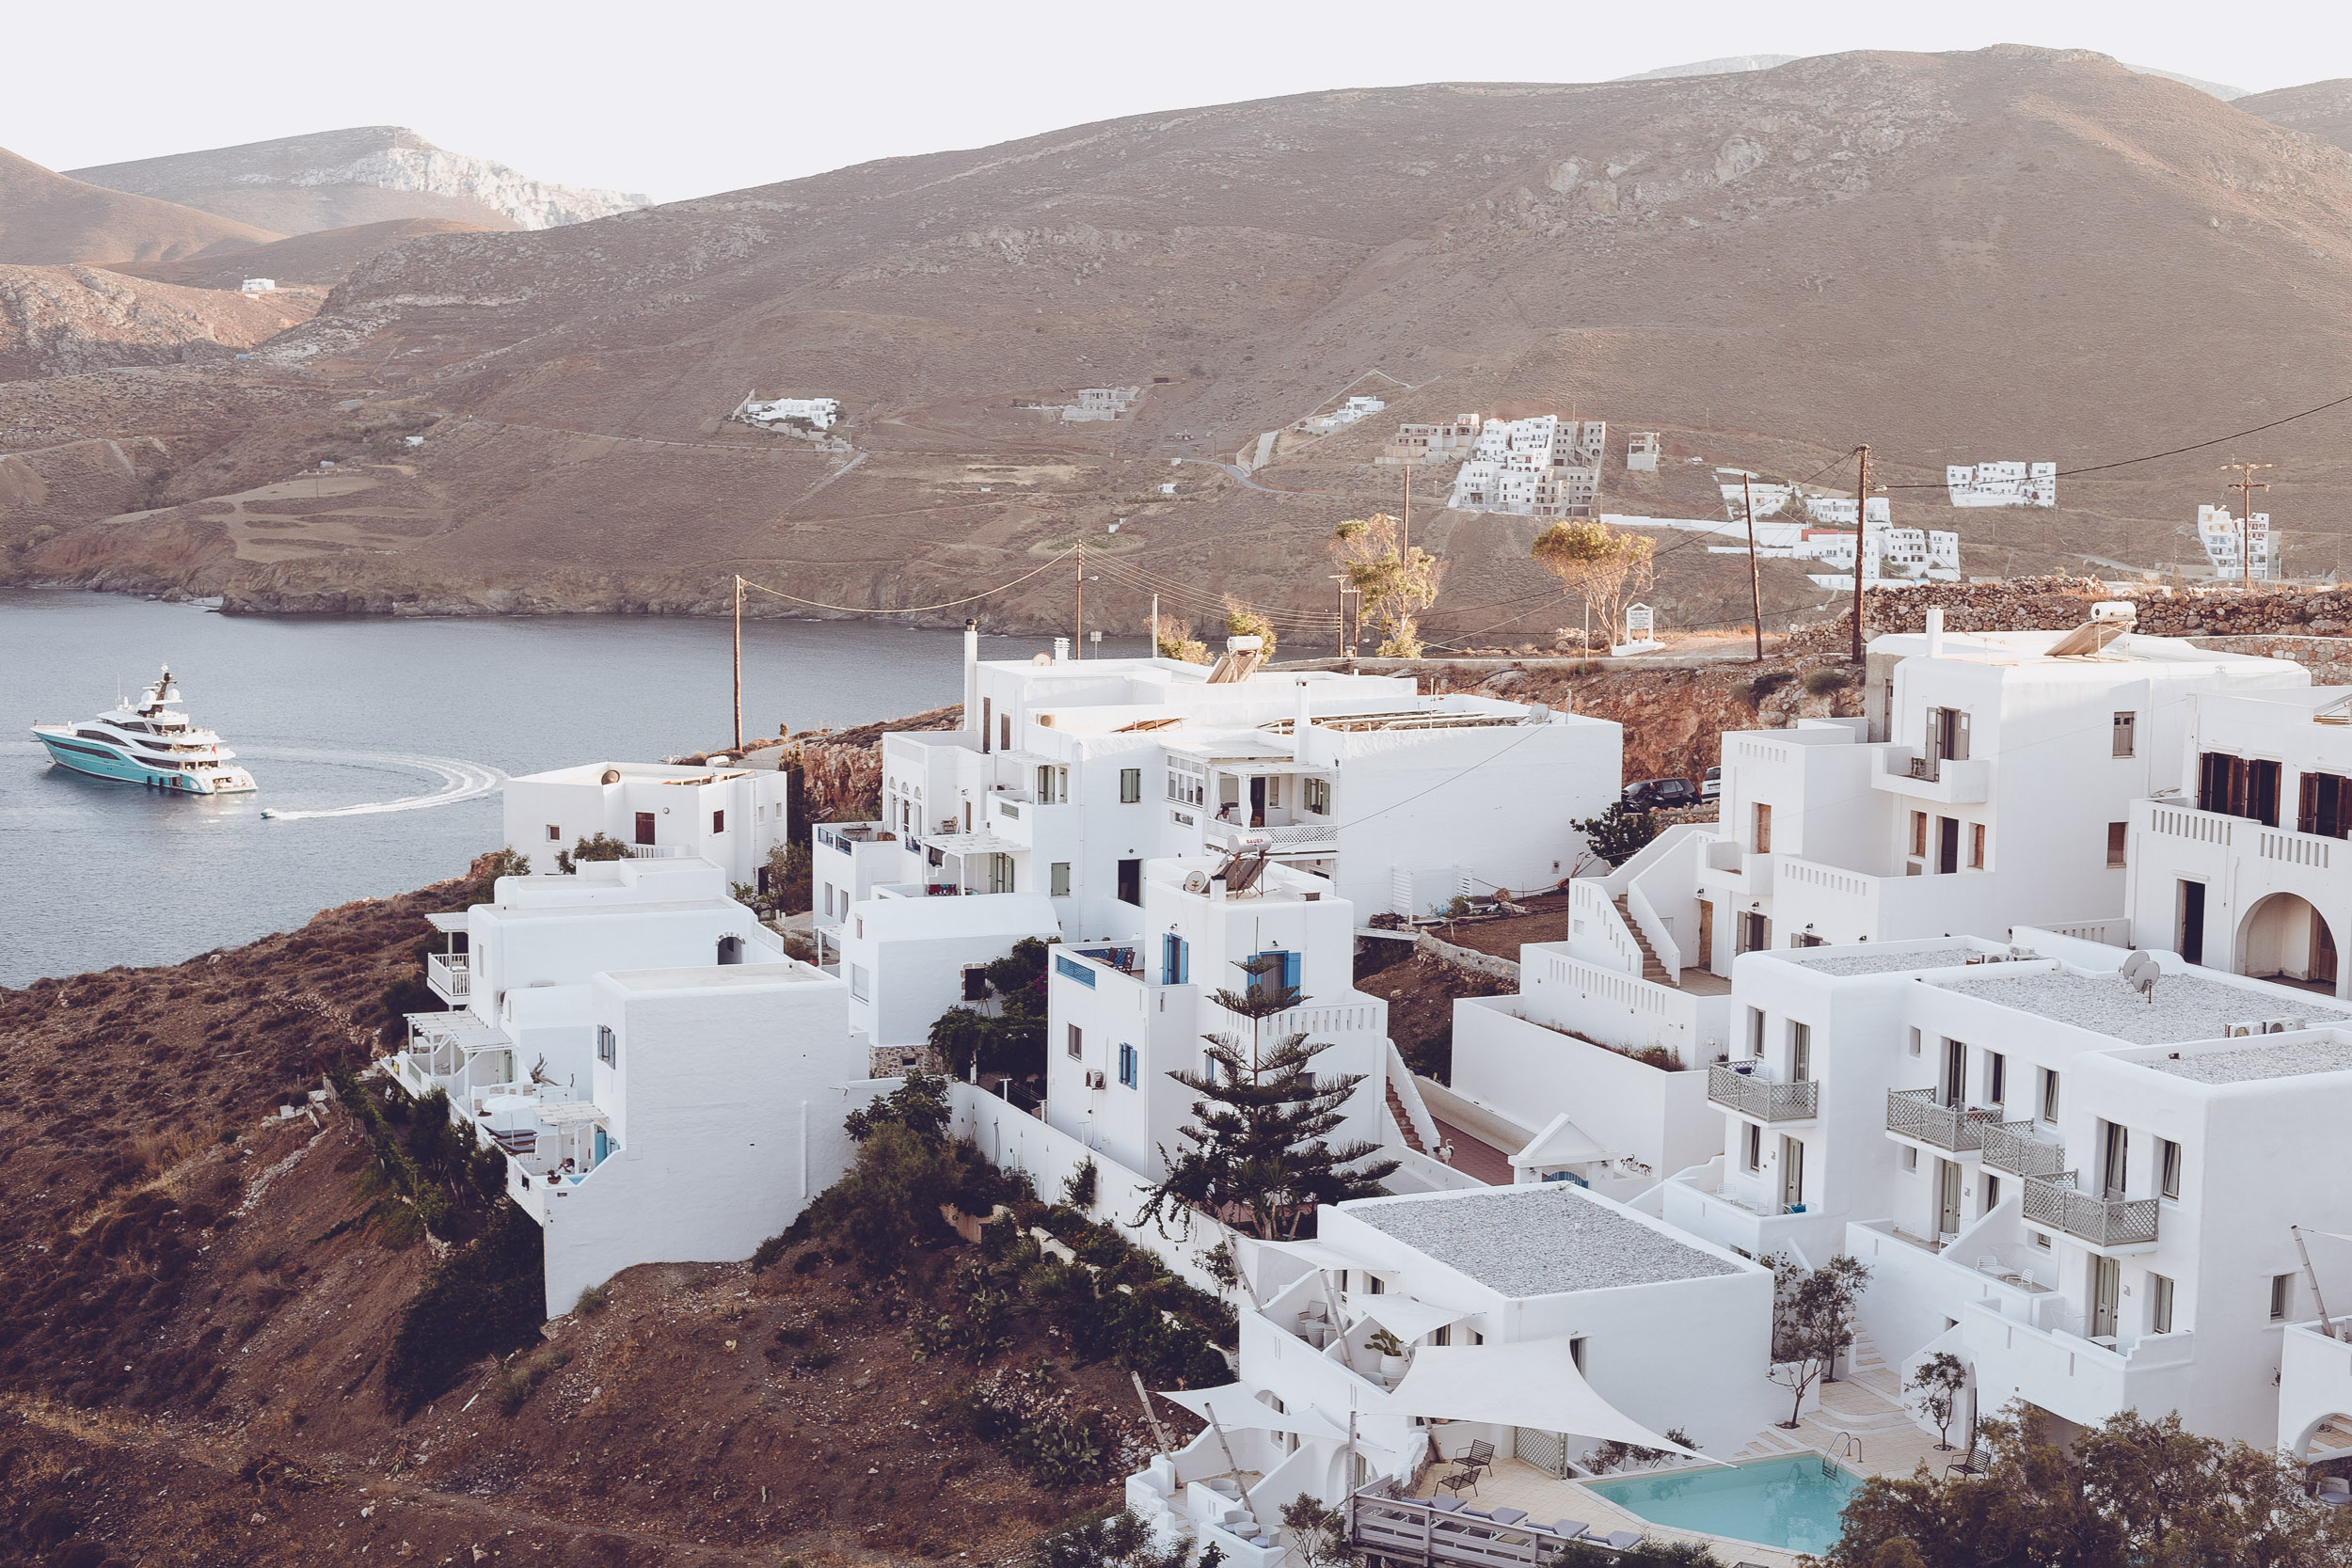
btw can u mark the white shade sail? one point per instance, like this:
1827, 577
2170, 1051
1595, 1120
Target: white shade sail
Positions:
1402, 1316
1531, 1384
1236, 1410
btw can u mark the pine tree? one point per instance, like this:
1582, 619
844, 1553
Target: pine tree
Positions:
1260, 1128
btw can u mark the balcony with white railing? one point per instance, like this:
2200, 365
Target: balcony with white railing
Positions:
1954, 1129
2113, 1226
2017, 1149
2081, 1378
1729, 1209
1947, 781
660, 853
1749, 1089
450, 977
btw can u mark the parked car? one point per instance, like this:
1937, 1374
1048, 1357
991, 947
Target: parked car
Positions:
1649, 794
1711, 787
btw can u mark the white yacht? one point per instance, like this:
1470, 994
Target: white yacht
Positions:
148, 742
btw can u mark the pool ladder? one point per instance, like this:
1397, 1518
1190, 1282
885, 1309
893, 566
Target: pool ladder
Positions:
1847, 1445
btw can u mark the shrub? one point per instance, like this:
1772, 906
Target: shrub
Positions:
522, 1377
1822, 682
1763, 686
888, 1202
487, 1298
1078, 1190
593, 1300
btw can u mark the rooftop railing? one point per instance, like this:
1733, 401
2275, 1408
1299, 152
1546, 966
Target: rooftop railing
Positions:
1749, 1092
1914, 1114
2054, 1203
2011, 1146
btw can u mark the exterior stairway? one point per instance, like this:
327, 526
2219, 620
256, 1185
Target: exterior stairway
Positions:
1651, 968
1404, 1122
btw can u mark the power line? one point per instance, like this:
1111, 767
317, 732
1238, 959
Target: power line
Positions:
916, 608
2176, 452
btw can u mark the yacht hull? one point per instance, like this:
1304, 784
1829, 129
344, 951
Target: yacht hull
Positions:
97, 761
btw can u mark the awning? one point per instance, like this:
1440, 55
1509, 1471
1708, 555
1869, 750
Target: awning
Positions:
1236, 1410
981, 843
1531, 1384
1561, 1143
449, 920
569, 1112
1402, 1316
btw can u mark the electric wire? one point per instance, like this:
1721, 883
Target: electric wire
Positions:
912, 610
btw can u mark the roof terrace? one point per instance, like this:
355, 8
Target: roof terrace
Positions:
1537, 1241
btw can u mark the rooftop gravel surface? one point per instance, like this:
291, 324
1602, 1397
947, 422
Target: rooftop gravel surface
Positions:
1538, 1241
2183, 1006
2287, 1059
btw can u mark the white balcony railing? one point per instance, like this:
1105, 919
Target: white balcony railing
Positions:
2103, 1222
2011, 1147
1956, 1128
1750, 1093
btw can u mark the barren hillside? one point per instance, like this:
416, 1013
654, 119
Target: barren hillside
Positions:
58, 321
366, 175
2009, 254
324, 258
2324, 110
47, 218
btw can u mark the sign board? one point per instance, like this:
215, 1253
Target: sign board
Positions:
1639, 620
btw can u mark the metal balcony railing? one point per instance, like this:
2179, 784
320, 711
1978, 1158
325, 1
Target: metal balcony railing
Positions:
2101, 1221
1752, 1094
2011, 1146
1914, 1114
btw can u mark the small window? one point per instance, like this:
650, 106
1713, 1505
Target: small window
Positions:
858, 986
1076, 1045
1317, 793
2041, 1238
1800, 1051
1130, 785
2118, 832
2159, 1304
2169, 1167
1004, 737
1918, 833
1992, 1193
2125, 723
1911, 1158
2282, 1296
1127, 1065
1763, 829
645, 826
860, 928
2049, 1096
555, 834
608, 1047
1755, 1146
1975, 846
1755, 1033
719, 820
1915, 1042
1995, 1078
1058, 884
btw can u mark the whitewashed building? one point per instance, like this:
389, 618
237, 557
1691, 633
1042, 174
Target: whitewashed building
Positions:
1544, 466
815, 415
2238, 548
666, 1084
2001, 483
729, 816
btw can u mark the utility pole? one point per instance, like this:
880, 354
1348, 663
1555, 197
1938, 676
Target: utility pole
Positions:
1339, 619
739, 664
1405, 535
1078, 635
1156, 626
1756, 590
2245, 486
1861, 532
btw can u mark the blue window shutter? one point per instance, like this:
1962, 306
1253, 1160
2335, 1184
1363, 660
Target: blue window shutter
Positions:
1289, 970
1183, 962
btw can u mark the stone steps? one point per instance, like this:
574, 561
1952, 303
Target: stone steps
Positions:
1651, 968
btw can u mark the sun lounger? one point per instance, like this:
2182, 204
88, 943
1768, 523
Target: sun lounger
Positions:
1507, 1515
1618, 1540
1445, 1505
1568, 1529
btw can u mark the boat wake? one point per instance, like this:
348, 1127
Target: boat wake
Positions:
460, 780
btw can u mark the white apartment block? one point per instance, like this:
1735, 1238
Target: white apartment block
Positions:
1540, 1318
818, 414
638, 1044
1070, 775
729, 816
2239, 548
2234, 854
1099, 403
2001, 483
2084, 1190
1355, 408
1890, 555
1642, 451
1433, 443
1544, 467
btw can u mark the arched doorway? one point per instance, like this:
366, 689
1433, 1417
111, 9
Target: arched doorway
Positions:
2284, 939
2326, 1441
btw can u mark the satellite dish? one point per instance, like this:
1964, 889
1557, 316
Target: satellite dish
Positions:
611, 775
1197, 883
2139, 972
1042, 658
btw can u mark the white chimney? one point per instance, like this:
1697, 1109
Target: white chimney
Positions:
1061, 650
1935, 631
971, 674
1301, 726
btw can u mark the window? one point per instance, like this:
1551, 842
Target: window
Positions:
1053, 784
858, 983
1975, 846
719, 820
2282, 1296
988, 707
1127, 1065
1992, 1192
1755, 1146
1918, 833
2049, 1096
2238, 786
2168, 1167
1911, 1157
1057, 883
2118, 833
1318, 797
1075, 1046
2327, 805
1755, 1033
1130, 785
1272, 971
1800, 1051
1175, 960
645, 826
1070, 969
1995, 1078
2159, 1304
1763, 829
555, 834
1915, 1042
2124, 724
608, 1047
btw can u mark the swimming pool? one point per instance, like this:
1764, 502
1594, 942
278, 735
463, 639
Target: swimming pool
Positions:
1773, 1502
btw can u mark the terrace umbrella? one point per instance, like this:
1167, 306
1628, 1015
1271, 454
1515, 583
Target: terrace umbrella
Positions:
1531, 1383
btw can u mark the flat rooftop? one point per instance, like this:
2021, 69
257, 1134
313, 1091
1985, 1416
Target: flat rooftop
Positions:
748, 974
1891, 962
2183, 1006
1537, 1241
2252, 1062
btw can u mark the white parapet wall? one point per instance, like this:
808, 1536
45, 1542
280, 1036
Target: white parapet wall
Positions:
1659, 1117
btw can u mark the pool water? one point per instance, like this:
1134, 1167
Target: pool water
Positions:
1773, 1502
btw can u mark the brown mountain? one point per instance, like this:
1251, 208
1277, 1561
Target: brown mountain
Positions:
47, 218
2014, 253
2324, 110
324, 258
61, 320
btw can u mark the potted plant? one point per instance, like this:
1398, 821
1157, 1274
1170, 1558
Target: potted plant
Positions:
1393, 1361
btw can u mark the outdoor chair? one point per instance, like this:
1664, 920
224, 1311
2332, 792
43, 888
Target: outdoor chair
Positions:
1480, 1453
1466, 1476
1619, 1540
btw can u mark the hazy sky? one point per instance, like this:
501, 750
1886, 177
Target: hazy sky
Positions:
681, 100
